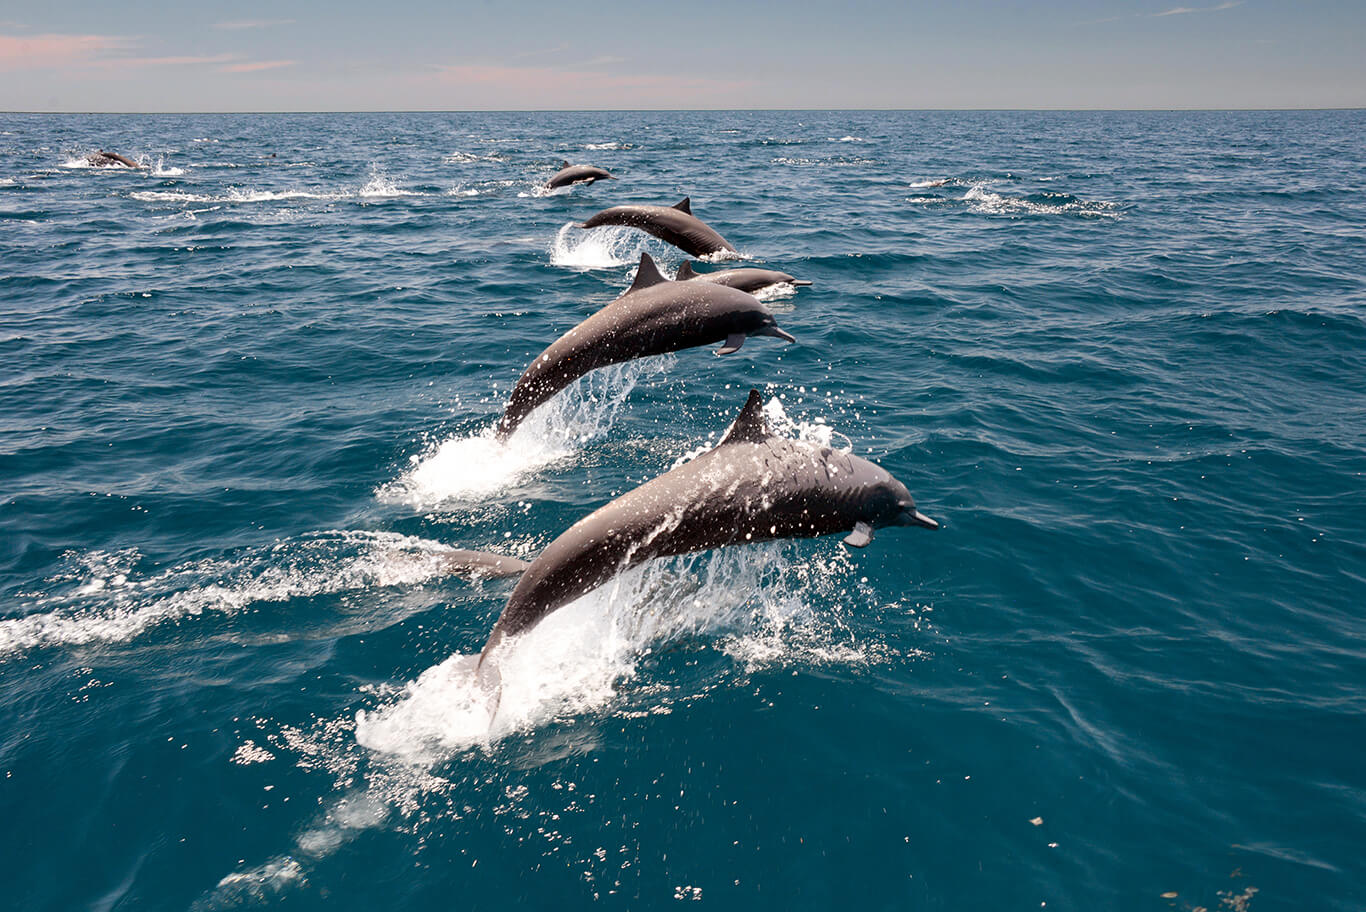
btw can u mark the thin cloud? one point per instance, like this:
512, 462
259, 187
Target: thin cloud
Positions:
607, 60
541, 52
256, 66
168, 61
1184, 10
240, 24
39, 52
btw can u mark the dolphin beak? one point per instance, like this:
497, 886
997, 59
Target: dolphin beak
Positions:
776, 332
914, 517
801, 281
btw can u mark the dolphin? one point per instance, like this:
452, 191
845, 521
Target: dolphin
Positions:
103, 159
577, 174
481, 563
752, 486
653, 317
749, 280
675, 224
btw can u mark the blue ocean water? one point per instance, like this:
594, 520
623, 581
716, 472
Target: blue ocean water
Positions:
246, 397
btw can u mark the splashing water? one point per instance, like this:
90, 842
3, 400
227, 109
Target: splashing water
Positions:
476, 466
605, 247
108, 604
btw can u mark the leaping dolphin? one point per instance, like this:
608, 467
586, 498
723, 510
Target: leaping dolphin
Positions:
674, 224
752, 486
577, 174
653, 317
749, 280
103, 159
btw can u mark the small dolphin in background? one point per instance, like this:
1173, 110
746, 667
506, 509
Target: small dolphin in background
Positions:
753, 486
673, 224
103, 159
577, 174
653, 317
748, 280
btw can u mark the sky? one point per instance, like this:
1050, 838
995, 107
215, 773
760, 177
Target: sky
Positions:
345, 55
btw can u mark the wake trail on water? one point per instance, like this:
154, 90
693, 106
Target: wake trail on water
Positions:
475, 466
106, 602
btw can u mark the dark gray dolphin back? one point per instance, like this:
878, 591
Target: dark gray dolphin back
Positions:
673, 224
655, 316
577, 174
752, 486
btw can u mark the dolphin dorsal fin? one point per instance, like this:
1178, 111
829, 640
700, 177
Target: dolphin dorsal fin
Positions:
749, 426
684, 272
647, 274
564, 163
684, 205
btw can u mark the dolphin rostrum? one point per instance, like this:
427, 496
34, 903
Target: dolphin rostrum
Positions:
103, 159
674, 224
752, 486
750, 280
653, 317
577, 174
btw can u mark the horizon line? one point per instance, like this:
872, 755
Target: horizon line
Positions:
1041, 109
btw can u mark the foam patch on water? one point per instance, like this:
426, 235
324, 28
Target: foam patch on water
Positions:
476, 466
988, 202
104, 601
381, 186
378, 186
160, 169
607, 146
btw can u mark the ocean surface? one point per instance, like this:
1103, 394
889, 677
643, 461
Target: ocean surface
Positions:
246, 400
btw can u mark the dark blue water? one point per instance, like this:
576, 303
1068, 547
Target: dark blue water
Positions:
245, 400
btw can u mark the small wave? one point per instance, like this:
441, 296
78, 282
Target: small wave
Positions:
108, 604
467, 158
233, 195
608, 147
476, 466
847, 139
481, 188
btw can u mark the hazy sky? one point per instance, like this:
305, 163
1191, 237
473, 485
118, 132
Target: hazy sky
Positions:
345, 55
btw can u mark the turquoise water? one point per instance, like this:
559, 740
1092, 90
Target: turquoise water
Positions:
246, 397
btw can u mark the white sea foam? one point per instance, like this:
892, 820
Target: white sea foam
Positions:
987, 202
847, 139
378, 186
476, 466
751, 600
607, 146
930, 182
603, 247
160, 169
107, 603
381, 186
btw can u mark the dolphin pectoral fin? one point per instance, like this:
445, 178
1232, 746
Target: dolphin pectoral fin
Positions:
733, 343
860, 537
684, 205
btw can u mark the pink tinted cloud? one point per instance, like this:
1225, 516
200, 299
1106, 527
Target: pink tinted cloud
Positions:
257, 66
38, 52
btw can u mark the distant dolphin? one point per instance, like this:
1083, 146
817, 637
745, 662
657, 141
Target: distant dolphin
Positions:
674, 224
577, 174
481, 563
752, 486
103, 159
653, 317
750, 280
